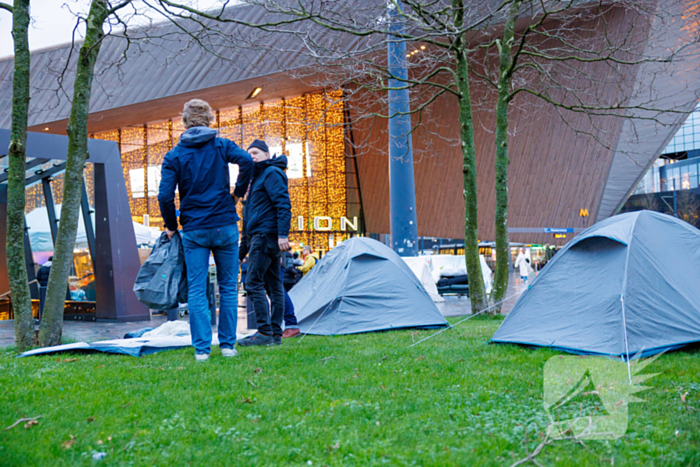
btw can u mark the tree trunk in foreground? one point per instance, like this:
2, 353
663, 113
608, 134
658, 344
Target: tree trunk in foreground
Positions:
52, 321
477, 292
500, 282
16, 265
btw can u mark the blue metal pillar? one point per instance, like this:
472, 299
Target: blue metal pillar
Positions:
404, 228
675, 199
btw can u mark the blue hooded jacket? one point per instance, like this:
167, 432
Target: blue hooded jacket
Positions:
268, 208
198, 166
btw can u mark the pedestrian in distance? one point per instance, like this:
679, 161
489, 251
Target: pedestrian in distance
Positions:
198, 168
290, 274
310, 260
522, 262
266, 221
42, 276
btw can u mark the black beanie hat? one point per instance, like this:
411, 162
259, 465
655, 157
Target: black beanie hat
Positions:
260, 145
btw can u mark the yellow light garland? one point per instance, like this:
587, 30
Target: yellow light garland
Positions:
313, 121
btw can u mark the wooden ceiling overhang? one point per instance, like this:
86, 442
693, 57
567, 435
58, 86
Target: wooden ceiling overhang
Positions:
274, 87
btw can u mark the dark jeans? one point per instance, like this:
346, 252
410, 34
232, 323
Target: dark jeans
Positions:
264, 273
290, 319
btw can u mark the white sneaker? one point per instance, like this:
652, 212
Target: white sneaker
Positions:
229, 352
201, 357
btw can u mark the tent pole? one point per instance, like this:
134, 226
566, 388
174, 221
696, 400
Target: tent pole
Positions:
50, 207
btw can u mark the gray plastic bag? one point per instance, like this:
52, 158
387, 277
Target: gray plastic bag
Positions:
162, 280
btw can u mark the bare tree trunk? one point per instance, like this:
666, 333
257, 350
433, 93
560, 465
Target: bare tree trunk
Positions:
52, 321
16, 265
477, 292
500, 282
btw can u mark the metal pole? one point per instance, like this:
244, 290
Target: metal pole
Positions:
675, 199
404, 228
87, 220
50, 208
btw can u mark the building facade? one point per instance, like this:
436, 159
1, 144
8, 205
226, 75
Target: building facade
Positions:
560, 176
672, 183
308, 129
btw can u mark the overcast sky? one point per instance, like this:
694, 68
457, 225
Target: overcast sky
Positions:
54, 20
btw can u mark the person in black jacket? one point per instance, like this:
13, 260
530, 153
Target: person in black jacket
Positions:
43, 275
266, 221
290, 274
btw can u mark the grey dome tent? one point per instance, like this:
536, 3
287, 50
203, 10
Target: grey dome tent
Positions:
362, 285
628, 284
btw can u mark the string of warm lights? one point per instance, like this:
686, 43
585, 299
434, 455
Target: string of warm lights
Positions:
308, 129
415, 51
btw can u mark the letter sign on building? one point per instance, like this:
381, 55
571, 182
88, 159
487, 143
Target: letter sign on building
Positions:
583, 212
325, 223
345, 223
317, 223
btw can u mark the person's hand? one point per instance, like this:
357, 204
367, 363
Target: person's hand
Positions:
283, 243
170, 233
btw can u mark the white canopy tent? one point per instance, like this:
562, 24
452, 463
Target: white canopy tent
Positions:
456, 265
420, 265
40, 231
444, 265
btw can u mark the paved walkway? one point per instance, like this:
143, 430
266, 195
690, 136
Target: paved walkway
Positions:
83, 331
454, 306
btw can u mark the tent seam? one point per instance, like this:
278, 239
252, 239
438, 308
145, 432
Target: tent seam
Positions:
622, 301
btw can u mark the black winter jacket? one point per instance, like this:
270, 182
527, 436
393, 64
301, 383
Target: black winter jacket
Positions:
268, 209
43, 275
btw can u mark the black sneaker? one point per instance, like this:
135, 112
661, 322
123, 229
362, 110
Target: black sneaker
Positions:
277, 339
256, 339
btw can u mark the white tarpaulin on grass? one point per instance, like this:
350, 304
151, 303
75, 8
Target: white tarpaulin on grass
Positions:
167, 336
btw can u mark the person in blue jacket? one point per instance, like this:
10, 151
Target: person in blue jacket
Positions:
198, 167
266, 222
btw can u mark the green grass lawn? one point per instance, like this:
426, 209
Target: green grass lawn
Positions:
353, 400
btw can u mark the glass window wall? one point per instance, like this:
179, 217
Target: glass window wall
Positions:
308, 129
688, 136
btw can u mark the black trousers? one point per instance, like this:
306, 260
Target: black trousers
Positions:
264, 274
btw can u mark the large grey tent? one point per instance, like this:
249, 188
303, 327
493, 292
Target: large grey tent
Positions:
630, 283
361, 285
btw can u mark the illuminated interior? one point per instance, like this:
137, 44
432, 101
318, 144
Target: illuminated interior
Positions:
309, 129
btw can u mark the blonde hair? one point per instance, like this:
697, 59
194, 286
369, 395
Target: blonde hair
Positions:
197, 113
